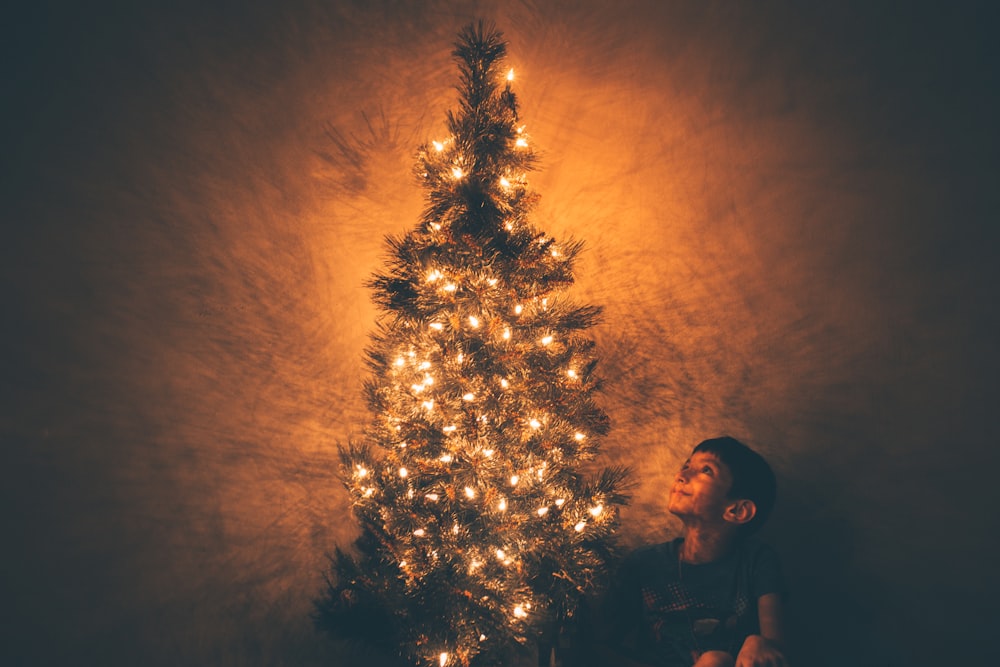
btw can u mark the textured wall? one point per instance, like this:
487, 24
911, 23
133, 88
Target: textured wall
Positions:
790, 220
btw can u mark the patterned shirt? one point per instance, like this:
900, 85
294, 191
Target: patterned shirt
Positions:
667, 613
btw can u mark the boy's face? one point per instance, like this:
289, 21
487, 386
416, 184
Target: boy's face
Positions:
701, 488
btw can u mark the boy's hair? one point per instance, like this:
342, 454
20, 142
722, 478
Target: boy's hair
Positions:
753, 478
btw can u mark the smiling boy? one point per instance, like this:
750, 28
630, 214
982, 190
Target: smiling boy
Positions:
713, 597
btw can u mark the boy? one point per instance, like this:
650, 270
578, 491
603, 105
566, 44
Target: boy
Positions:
712, 598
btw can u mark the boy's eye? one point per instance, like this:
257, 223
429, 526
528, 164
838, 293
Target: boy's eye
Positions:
708, 470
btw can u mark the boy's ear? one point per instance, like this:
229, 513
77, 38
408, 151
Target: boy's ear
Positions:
741, 511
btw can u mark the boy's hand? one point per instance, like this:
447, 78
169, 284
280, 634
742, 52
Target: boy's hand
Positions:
758, 651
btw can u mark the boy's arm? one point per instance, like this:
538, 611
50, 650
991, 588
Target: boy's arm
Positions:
767, 648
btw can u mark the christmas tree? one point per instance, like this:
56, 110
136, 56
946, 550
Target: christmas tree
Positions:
479, 530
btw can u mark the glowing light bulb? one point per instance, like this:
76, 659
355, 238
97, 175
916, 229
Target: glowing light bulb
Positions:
457, 172
369, 492
571, 373
433, 497
502, 505
403, 472
434, 275
579, 436
362, 471
487, 453
580, 526
520, 612
500, 554
435, 226
400, 361
518, 308
469, 397
450, 287
424, 365
419, 532
510, 74
402, 564
482, 638
445, 458
514, 479
443, 659
492, 282
596, 511
504, 182
454, 529
451, 428
560, 501
428, 405
438, 146
554, 252
417, 388
470, 492
437, 326
409, 493
542, 511
473, 321
508, 226
504, 383
521, 142
506, 334
460, 358
534, 423
546, 340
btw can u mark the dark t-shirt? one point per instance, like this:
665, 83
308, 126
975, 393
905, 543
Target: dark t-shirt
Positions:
664, 612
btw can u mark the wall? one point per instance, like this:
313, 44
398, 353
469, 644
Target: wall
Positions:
789, 217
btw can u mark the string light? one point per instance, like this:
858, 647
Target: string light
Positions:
560, 501
510, 74
521, 142
445, 458
470, 493
450, 428
518, 308
534, 423
596, 511
520, 612
438, 146
403, 472
546, 340
457, 172
580, 526
502, 505
504, 182
437, 326
571, 373
542, 511
433, 497
443, 659
428, 405
469, 397
506, 334
504, 383
514, 479
400, 361
473, 321
579, 436
419, 532
361, 471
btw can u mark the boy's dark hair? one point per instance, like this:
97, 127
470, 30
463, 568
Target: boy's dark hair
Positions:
753, 478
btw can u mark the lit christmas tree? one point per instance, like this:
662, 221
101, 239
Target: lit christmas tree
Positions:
479, 533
